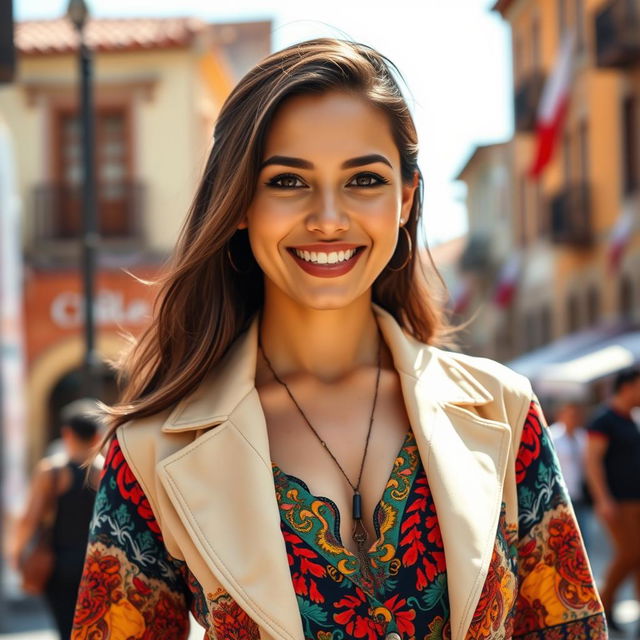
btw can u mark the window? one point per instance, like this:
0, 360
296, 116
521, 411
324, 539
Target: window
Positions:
583, 141
573, 313
517, 59
625, 296
562, 18
541, 211
593, 306
545, 325
566, 158
112, 167
535, 43
580, 24
630, 144
522, 210
530, 333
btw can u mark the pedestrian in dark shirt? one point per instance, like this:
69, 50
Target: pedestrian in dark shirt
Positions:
613, 472
74, 489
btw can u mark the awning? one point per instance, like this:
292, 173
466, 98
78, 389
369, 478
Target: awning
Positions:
563, 349
572, 376
566, 368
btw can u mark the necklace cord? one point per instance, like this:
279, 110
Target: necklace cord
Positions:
356, 487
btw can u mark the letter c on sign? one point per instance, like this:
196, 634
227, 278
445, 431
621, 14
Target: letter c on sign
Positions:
66, 309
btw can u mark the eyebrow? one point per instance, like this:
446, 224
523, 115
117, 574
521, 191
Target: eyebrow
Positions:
300, 163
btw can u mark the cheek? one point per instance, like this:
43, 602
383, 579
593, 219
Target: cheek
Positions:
381, 217
268, 219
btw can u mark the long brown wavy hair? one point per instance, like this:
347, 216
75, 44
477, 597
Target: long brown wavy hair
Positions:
205, 300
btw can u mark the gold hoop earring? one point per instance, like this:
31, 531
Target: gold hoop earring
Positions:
409, 254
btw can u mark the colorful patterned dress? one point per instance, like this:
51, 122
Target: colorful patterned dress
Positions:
539, 574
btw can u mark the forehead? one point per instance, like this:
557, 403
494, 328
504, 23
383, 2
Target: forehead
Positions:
333, 124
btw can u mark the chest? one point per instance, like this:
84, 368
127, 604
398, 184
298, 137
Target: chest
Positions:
340, 416
624, 440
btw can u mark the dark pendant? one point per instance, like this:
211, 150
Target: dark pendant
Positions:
359, 533
357, 506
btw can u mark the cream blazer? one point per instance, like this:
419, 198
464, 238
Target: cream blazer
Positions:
206, 470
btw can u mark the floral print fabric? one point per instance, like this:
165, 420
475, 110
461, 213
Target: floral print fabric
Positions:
130, 587
400, 586
539, 585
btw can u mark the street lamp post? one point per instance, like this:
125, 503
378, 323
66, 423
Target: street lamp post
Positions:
77, 12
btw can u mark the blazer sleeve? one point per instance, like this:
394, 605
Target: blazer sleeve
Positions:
557, 597
130, 587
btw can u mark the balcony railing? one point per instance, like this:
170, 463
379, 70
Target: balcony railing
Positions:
571, 222
527, 98
618, 34
58, 212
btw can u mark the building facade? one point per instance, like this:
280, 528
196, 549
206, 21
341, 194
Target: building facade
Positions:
159, 84
487, 174
575, 225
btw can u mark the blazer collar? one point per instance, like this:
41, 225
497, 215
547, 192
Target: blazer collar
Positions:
221, 391
236, 527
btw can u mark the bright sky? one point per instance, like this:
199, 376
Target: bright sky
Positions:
454, 55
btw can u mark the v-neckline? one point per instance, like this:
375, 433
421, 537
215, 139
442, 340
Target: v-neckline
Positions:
317, 519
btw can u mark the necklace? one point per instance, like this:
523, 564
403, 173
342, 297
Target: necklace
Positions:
359, 535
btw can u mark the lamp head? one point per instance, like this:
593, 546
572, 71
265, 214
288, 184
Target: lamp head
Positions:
78, 12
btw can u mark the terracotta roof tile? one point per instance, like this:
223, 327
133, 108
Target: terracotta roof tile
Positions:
41, 37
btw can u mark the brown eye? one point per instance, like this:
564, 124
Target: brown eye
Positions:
286, 181
368, 180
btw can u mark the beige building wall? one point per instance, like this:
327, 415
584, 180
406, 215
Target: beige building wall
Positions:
487, 175
592, 135
172, 111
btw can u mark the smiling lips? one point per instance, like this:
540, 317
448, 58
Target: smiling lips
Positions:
327, 260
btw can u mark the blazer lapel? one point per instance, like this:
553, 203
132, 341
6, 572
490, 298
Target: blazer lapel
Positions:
465, 457
222, 483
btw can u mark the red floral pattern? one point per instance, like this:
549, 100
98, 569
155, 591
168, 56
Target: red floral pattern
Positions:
228, 620
128, 487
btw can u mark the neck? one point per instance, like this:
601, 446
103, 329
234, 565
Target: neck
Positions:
621, 405
329, 343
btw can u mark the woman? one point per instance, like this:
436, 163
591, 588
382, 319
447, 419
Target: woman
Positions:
294, 458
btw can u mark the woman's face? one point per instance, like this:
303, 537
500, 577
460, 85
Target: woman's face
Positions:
329, 201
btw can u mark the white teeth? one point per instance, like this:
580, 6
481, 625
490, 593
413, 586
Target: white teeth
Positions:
319, 257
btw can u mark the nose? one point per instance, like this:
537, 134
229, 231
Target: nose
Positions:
327, 216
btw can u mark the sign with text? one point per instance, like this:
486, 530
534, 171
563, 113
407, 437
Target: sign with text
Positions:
54, 305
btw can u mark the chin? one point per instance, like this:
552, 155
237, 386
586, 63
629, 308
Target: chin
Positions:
327, 300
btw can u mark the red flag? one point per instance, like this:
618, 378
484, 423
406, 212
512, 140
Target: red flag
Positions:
553, 106
507, 282
619, 240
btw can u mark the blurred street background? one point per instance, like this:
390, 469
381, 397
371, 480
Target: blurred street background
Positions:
528, 113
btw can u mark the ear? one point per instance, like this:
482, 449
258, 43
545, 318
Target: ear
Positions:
408, 194
243, 224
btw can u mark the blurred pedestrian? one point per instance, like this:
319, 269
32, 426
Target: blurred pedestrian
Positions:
72, 488
570, 438
613, 471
